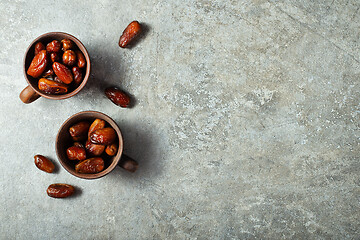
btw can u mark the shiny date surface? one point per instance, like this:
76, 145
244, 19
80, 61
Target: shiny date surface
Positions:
117, 96
60, 190
130, 33
77, 75
103, 136
53, 46
96, 124
67, 44
94, 149
91, 165
69, 57
38, 64
79, 131
76, 153
81, 61
111, 149
38, 47
44, 164
63, 72
52, 87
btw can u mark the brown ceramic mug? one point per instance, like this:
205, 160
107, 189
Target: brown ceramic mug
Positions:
32, 92
64, 140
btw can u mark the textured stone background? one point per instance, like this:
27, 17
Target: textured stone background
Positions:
246, 122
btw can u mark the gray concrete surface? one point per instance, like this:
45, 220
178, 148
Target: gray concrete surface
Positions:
246, 123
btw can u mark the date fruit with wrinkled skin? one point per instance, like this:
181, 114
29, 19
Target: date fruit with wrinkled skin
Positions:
77, 75
67, 44
44, 164
97, 124
38, 64
60, 190
117, 96
81, 61
111, 149
63, 72
79, 131
94, 149
130, 33
54, 57
76, 153
53, 46
91, 165
69, 57
103, 136
38, 47
52, 87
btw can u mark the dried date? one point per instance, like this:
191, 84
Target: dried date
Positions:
44, 164
91, 165
53, 46
130, 33
76, 153
60, 190
52, 87
103, 136
38, 64
63, 72
79, 131
117, 96
111, 149
69, 57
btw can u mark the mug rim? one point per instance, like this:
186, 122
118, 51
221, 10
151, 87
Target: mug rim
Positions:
116, 158
81, 47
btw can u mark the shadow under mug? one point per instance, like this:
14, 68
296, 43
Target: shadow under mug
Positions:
32, 91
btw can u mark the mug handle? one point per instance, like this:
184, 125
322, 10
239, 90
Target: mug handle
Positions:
28, 95
128, 163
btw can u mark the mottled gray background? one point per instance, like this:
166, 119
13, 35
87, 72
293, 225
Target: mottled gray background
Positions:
246, 123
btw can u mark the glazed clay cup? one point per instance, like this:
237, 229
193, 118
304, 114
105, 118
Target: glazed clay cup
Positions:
32, 92
63, 141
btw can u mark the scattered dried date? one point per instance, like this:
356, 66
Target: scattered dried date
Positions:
117, 96
44, 164
130, 33
60, 190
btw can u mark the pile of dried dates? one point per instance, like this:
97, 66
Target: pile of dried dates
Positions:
92, 144
59, 66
